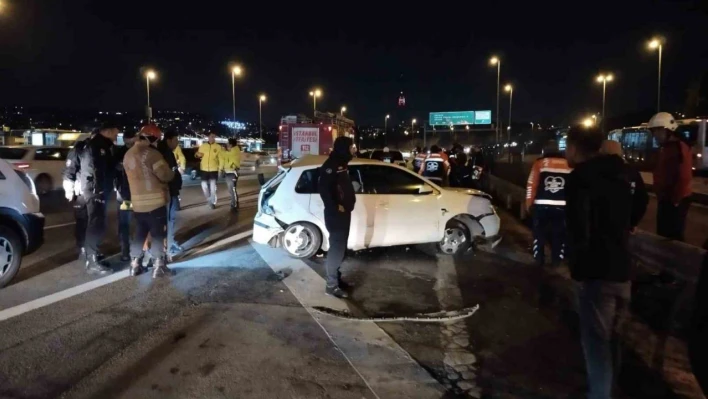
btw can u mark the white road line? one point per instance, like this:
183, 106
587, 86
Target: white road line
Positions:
61, 295
383, 365
56, 226
234, 238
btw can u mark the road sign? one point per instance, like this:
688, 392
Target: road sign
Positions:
460, 118
483, 117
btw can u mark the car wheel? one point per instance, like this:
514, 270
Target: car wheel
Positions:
302, 240
456, 238
10, 255
193, 175
43, 184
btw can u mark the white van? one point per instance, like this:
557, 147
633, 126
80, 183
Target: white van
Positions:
21, 222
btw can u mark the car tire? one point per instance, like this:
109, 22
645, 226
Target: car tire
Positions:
10, 255
43, 184
302, 240
456, 238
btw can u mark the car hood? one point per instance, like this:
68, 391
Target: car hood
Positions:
468, 191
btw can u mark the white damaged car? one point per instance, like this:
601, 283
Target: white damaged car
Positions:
394, 206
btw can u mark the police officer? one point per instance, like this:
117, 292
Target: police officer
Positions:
88, 182
125, 208
148, 177
545, 193
337, 194
436, 165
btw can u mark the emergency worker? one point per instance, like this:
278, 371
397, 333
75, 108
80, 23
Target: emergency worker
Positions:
419, 158
88, 182
545, 195
209, 154
640, 196
148, 176
672, 177
168, 148
125, 207
229, 164
337, 192
436, 166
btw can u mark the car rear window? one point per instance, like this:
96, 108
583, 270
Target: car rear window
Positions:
12, 153
307, 183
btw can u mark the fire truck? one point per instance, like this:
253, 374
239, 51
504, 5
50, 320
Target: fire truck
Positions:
299, 135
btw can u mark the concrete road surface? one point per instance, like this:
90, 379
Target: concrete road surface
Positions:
240, 320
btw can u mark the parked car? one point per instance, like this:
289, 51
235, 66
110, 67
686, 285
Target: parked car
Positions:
394, 157
394, 207
43, 164
21, 222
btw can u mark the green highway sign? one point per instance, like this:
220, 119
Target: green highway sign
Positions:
460, 118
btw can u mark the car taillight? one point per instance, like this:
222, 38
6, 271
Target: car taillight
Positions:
22, 165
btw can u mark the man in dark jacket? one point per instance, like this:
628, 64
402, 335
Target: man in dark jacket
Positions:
125, 208
88, 182
166, 146
337, 194
600, 215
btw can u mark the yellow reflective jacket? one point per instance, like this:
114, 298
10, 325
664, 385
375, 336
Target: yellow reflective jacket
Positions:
180, 158
230, 160
210, 157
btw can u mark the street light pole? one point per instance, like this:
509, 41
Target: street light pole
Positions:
235, 71
656, 43
149, 75
261, 99
315, 93
497, 61
510, 89
604, 79
413, 126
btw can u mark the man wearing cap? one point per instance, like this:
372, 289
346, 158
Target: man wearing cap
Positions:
88, 182
672, 177
125, 208
148, 177
209, 154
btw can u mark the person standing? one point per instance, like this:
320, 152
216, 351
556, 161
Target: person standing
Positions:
419, 158
167, 147
229, 164
600, 214
545, 197
209, 154
125, 207
337, 192
640, 196
148, 178
436, 165
88, 182
672, 177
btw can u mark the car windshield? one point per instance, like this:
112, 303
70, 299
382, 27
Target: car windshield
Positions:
12, 153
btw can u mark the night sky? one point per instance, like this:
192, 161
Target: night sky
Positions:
89, 54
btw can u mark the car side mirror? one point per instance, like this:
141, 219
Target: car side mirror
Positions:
425, 190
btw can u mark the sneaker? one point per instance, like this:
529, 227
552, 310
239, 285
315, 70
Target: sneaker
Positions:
345, 286
336, 292
212, 206
136, 267
161, 269
125, 257
94, 266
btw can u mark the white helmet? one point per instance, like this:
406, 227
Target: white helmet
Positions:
663, 119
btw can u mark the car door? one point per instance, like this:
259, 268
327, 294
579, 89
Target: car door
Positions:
406, 207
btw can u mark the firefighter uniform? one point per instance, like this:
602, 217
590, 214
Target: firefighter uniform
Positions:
545, 192
435, 167
419, 159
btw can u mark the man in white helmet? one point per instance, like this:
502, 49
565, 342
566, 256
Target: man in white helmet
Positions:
672, 177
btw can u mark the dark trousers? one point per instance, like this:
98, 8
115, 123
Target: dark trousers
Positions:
124, 229
671, 219
698, 331
602, 309
154, 223
231, 182
172, 209
337, 224
548, 220
90, 214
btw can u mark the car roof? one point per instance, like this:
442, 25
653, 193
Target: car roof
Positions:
318, 160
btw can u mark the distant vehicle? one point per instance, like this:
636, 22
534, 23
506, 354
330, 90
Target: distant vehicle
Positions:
43, 164
21, 222
256, 159
392, 156
394, 207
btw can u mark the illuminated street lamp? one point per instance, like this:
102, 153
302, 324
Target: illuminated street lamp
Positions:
149, 75
604, 79
261, 100
413, 125
343, 110
657, 43
235, 71
509, 89
589, 122
386, 123
314, 94
496, 61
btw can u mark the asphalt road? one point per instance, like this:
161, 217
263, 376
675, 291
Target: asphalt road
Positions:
239, 321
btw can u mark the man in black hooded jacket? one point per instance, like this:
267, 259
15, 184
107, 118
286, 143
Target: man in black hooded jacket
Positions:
337, 194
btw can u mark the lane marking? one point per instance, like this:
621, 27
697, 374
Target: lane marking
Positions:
225, 241
386, 368
56, 226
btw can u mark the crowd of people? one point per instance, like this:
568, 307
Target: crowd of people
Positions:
146, 175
